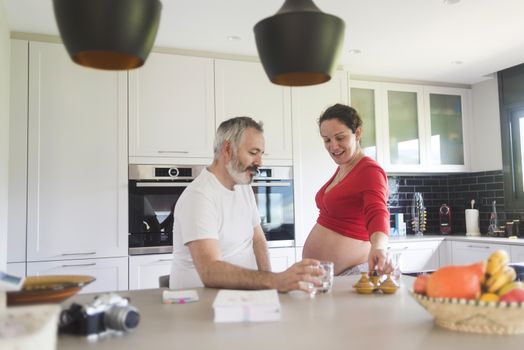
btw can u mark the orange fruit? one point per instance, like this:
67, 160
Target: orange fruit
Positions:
456, 281
420, 284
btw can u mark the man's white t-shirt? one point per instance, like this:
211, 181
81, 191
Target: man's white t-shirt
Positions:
208, 210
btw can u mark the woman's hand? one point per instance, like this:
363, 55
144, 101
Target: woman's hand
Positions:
378, 257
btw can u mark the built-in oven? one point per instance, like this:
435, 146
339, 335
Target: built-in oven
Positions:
273, 187
155, 189
153, 193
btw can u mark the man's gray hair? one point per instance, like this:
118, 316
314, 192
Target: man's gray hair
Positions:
231, 130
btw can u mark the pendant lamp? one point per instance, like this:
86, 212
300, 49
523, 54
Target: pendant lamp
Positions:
299, 45
108, 34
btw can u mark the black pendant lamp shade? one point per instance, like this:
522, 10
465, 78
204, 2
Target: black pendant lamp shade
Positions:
299, 45
108, 34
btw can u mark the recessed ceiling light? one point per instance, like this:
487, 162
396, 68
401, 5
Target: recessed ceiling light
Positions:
354, 51
456, 62
450, 2
234, 38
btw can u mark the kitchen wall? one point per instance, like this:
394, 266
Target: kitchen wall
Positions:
456, 190
4, 132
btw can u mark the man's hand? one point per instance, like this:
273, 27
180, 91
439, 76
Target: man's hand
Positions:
307, 270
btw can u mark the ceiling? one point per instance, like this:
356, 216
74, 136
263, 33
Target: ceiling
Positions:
399, 39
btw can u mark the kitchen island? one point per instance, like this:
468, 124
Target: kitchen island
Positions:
342, 319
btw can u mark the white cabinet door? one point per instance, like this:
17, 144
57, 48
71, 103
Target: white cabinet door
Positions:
243, 89
312, 165
471, 252
111, 274
17, 269
517, 254
77, 158
446, 113
171, 108
281, 258
417, 256
144, 270
16, 230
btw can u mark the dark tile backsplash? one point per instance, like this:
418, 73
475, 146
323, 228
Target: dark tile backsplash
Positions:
457, 191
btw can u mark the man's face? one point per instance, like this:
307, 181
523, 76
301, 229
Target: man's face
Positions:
245, 160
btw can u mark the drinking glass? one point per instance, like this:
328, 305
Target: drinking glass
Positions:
394, 256
327, 278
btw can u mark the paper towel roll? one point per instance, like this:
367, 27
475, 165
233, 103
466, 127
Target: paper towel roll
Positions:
472, 222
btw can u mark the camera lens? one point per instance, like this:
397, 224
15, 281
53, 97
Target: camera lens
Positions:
122, 318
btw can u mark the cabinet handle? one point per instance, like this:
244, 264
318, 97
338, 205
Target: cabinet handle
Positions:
271, 184
478, 246
77, 265
183, 152
162, 260
70, 254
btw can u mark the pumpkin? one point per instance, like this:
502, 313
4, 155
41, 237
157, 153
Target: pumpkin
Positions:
456, 281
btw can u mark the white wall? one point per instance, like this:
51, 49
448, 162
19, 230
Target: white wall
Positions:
4, 132
486, 151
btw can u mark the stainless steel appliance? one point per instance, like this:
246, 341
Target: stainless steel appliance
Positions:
155, 189
273, 187
153, 192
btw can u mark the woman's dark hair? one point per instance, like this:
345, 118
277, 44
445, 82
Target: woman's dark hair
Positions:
345, 114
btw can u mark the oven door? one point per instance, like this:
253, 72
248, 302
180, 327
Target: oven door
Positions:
151, 215
275, 206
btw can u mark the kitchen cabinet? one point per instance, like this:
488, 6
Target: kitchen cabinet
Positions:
281, 258
17, 172
365, 98
311, 162
242, 89
110, 274
404, 124
144, 270
417, 256
517, 254
447, 113
17, 269
471, 252
77, 159
171, 110
414, 128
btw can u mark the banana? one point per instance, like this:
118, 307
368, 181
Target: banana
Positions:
496, 262
495, 282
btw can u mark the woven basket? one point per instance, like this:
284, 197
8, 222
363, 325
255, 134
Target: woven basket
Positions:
474, 315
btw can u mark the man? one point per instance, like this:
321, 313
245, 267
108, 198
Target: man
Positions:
218, 240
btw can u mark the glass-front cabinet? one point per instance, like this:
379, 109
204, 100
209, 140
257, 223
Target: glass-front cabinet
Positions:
447, 109
413, 128
405, 126
365, 99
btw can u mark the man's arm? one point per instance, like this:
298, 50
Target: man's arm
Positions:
215, 273
260, 249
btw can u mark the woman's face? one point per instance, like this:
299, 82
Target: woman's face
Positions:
339, 140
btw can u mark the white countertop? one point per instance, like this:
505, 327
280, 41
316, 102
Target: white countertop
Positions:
340, 320
431, 237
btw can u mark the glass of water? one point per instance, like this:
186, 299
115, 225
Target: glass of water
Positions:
327, 278
394, 256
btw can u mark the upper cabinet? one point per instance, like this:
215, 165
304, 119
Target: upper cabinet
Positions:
77, 158
171, 109
414, 128
243, 89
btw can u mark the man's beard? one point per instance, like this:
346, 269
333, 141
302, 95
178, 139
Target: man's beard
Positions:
241, 175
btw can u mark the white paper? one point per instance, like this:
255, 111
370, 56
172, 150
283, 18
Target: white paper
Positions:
246, 306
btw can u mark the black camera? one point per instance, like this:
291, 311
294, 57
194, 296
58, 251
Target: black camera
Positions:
108, 312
